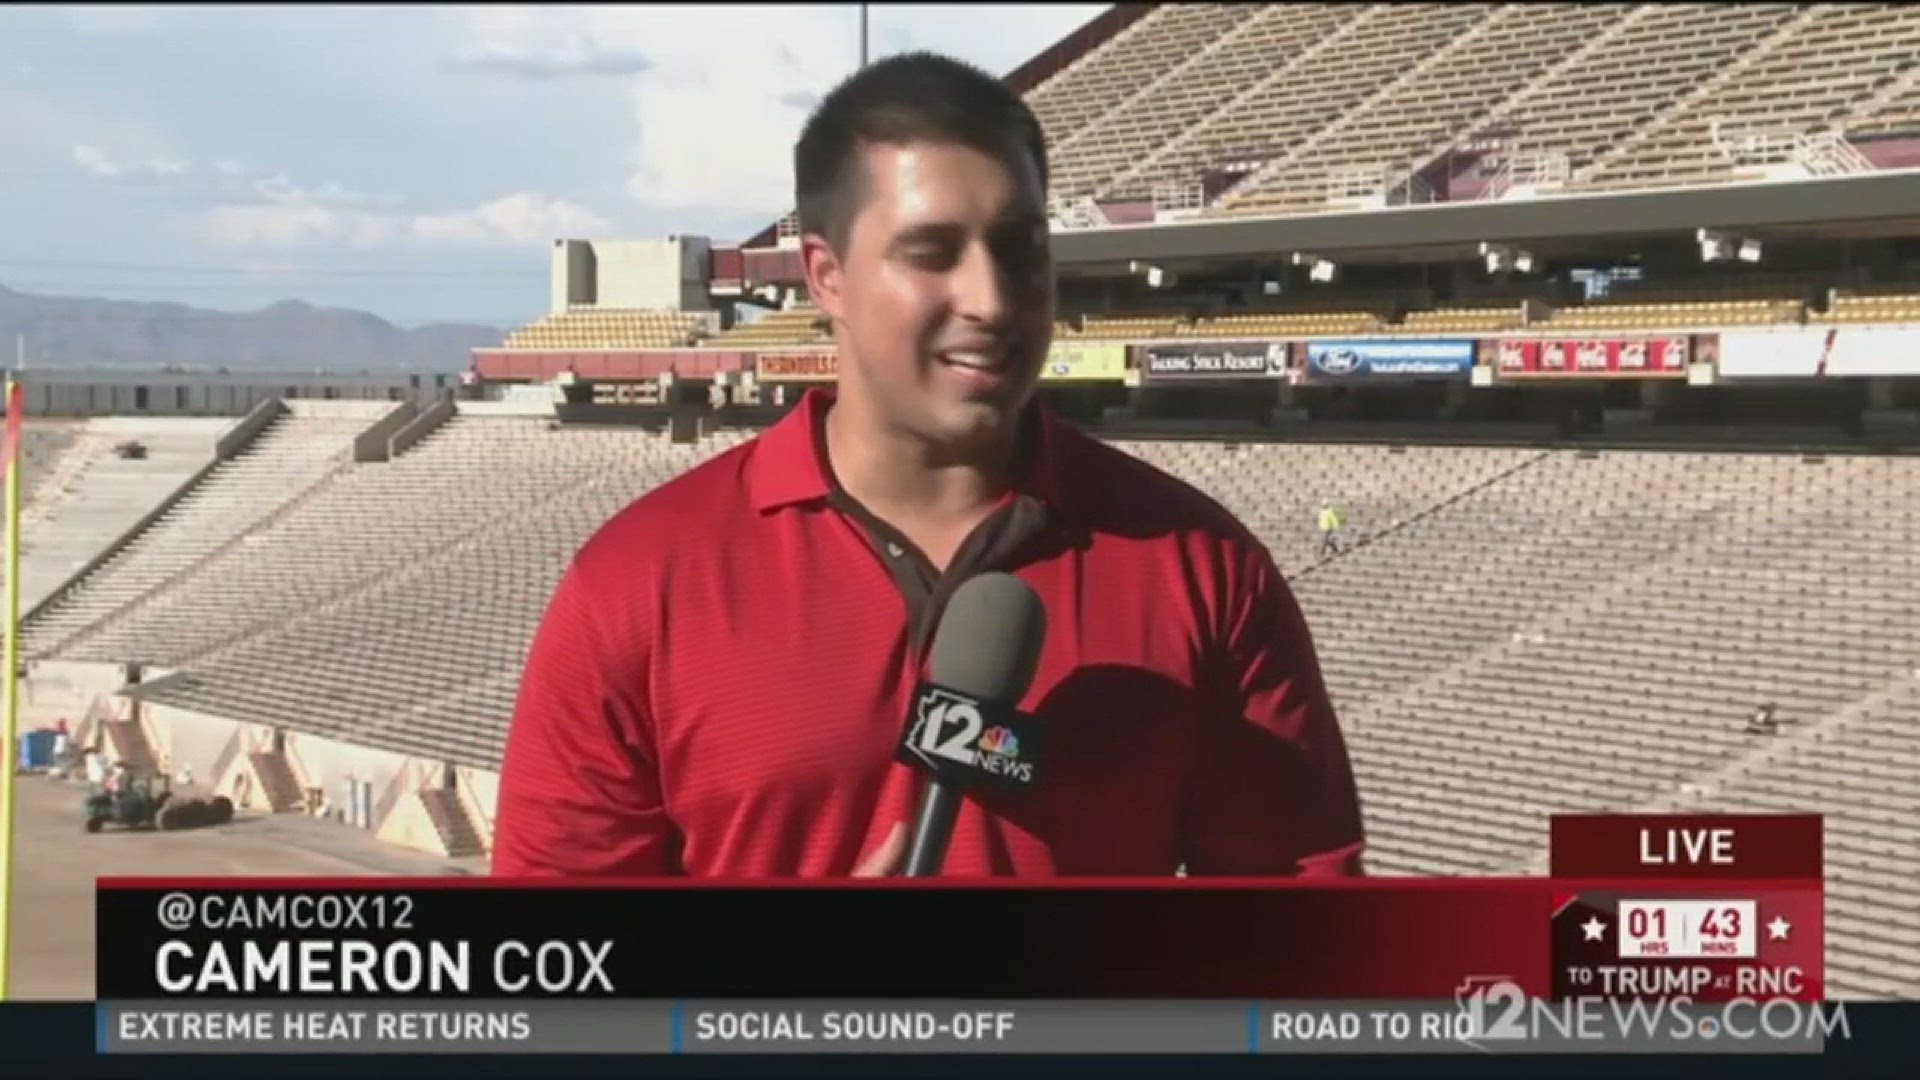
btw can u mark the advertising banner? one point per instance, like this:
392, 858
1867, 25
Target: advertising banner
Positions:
1341, 361
814, 366
1216, 360
1820, 350
1593, 358
1074, 361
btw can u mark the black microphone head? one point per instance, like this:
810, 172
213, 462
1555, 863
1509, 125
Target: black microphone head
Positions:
989, 638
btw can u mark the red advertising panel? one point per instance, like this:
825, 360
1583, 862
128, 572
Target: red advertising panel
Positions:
1591, 357
603, 365
811, 366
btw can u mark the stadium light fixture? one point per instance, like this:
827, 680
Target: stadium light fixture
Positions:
1155, 275
1500, 258
1717, 246
1318, 269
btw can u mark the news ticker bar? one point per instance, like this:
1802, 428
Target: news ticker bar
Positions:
1483, 1023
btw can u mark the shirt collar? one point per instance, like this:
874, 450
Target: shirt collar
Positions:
789, 463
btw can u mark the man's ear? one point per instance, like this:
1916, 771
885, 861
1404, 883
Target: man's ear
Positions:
822, 269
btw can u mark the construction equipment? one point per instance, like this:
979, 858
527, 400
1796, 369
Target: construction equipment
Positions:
145, 801
131, 801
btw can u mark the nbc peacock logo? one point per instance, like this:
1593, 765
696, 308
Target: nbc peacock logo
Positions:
998, 740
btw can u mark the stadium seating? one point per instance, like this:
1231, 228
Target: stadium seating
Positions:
1282, 324
1803, 82
1897, 114
42, 446
1450, 320
1858, 773
804, 325
366, 523
1377, 488
609, 328
297, 451
1192, 85
1507, 632
1134, 58
420, 653
1602, 629
1683, 315
1125, 328
84, 496
1647, 63
1900, 307
1279, 116
1376, 144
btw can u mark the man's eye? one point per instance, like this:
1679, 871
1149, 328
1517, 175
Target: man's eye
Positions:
929, 256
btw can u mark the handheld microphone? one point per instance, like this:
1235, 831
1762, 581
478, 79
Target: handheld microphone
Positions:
965, 729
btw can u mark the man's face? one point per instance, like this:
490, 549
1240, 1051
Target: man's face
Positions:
943, 298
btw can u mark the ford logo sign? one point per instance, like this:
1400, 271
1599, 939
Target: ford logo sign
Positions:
1339, 361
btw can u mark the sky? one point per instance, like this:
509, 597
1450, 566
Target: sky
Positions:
416, 162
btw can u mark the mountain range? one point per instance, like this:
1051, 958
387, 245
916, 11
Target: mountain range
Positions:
81, 332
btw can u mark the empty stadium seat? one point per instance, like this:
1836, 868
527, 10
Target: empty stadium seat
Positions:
1132, 59
1190, 85
1126, 328
1283, 324
1463, 320
1632, 72
1892, 307
296, 452
1680, 315
591, 327
1808, 80
1377, 144
803, 325
1306, 92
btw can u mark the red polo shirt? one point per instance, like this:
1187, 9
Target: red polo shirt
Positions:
725, 671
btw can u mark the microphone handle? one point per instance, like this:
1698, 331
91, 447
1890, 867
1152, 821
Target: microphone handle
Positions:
933, 831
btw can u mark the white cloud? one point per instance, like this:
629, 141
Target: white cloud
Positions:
103, 164
95, 161
279, 226
278, 190
575, 55
522, 218
715, 118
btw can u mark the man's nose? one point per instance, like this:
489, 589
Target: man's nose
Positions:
980, 287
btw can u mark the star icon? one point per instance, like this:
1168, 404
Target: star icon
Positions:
1594, 929
1777, 929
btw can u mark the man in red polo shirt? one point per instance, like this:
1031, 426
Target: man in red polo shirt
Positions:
724, 673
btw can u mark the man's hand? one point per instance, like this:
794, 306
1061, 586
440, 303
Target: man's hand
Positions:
886, 860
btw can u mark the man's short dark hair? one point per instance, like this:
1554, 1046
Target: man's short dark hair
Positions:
912, 97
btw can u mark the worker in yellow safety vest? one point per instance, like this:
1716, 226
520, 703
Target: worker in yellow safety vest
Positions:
1330, 522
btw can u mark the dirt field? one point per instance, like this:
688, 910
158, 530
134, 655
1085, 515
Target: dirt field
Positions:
55, 864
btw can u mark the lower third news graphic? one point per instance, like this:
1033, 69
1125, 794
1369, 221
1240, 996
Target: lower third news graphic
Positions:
1653, 933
